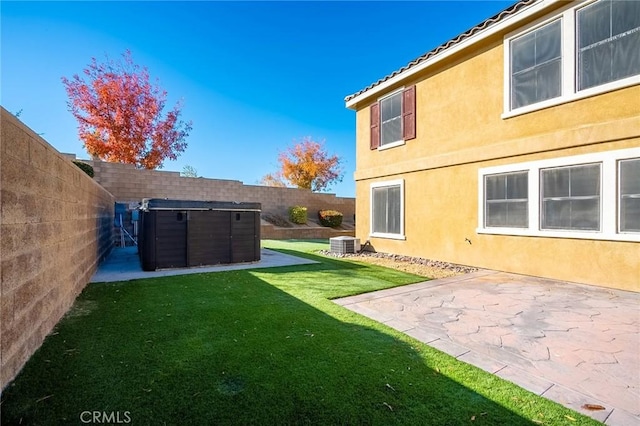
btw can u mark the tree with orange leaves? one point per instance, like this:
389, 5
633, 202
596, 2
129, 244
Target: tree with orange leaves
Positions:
119, 115
306, 165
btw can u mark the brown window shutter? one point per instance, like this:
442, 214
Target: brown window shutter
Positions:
375, 126
409, 113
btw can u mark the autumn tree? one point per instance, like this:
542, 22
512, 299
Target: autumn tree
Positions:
120, 116
306, 165
273, 179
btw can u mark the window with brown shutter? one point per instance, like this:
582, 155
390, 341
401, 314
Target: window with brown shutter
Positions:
393, 119
409, 113
375, 126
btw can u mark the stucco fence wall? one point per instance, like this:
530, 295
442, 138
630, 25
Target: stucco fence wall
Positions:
55, 228
129, 184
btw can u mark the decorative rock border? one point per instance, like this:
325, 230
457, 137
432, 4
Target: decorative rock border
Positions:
461, 269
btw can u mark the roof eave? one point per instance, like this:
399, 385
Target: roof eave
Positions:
352, 102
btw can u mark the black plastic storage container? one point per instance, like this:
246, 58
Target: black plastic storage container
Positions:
180, 233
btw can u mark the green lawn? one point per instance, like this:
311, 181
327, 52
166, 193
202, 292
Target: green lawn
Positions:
263, 347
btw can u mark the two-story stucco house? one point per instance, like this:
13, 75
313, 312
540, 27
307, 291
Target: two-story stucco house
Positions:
514, 146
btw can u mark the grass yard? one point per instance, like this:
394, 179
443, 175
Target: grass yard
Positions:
265, 347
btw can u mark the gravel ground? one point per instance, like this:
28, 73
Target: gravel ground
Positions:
414, 265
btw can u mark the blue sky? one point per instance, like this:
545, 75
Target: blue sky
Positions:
253, 76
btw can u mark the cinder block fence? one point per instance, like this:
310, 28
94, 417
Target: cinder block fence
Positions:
129, 184
55, 228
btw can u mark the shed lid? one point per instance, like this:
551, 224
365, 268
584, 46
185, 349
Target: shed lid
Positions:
166, 204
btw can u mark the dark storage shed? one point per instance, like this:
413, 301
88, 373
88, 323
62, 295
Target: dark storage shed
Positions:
179, 234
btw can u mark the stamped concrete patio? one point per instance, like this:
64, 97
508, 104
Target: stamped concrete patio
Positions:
576, 345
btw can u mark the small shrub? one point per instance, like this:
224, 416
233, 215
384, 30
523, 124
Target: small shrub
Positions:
85, 167
298, 214
330, 218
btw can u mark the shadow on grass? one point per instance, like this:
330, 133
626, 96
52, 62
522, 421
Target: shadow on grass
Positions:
361, 277
324, 262
241, 347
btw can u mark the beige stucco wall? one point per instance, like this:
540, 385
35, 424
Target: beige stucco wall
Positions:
460, 130
462, 123
441, 212
129, 184
55, 227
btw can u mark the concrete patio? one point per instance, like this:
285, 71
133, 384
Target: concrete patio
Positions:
574, 344
123, 265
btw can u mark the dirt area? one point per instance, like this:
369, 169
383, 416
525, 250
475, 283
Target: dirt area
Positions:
414, 265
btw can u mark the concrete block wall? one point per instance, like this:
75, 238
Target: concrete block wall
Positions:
55, 227
129, 184
270, 232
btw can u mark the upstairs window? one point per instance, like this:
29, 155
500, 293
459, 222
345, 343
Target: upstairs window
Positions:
608, 42
536, 65
393, 119
580, 51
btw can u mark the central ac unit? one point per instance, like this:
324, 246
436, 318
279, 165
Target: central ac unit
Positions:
344, 245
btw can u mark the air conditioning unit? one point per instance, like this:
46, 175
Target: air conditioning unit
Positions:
344, 245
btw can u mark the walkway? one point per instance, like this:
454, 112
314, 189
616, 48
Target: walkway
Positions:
123, 265
574, 344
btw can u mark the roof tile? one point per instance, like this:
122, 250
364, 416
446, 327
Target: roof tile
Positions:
521, 4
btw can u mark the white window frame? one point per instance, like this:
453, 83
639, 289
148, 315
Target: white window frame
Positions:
562, 53
401, 235
401, 141
609, 195
485, 201
569, 92
619, 195
571, 197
